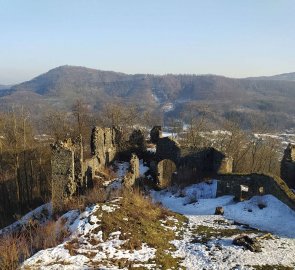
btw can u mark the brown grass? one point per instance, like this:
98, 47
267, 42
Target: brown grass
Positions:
15, 248
80, 202
143, 226
272, 267
204, 234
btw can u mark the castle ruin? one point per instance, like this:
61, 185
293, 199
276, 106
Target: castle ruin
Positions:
170, 164
288, 166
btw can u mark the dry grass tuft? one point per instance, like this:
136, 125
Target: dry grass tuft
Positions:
15, 248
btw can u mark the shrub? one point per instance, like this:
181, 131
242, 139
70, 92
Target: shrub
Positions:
13, 250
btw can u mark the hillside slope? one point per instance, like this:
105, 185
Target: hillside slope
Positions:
61, 86
131, 233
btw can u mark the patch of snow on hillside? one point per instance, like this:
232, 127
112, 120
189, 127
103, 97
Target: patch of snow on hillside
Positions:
41, 214
157, 99
122, 168
168, 107
152, 149
166, 134
86, 247
276, 217
198, 203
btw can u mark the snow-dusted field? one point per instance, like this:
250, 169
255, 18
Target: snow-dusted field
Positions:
198, 203
85, 247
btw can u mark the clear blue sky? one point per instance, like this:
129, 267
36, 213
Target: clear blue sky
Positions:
235, 38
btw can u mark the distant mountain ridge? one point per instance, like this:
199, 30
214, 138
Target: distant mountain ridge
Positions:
284, 76
61, 86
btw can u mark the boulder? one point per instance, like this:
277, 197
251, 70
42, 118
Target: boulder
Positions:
249, 243
219, 210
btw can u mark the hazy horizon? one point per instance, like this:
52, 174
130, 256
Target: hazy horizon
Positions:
230, 38
129, 73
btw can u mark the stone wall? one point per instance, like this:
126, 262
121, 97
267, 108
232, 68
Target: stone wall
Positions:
245, 186
199, 163
133, 173
166, 169
90, 166
78, 163
137, 142
105, 143
288, 166
222, 163
155, 134
63, 172
168, 148
70, 172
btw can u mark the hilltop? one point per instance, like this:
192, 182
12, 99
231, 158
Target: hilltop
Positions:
271, 98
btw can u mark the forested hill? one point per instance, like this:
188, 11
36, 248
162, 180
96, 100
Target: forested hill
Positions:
61, 86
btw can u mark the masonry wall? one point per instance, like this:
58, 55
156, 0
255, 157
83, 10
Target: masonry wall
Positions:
63, 173
199, 163
288, 166
229, 184
105, 144
168, 148
133, 173
90, 167
166, 169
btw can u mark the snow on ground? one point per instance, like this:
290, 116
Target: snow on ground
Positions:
143, 168
168, 107
198, 203
85, 247
152, 149
122, 168
166, 134
40, 214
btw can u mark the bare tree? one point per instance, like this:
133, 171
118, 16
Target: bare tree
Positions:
57, 124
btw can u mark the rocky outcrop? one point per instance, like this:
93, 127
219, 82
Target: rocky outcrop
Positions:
219, 210
247, 242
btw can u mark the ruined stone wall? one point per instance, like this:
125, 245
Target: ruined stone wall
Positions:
78, 162
137, 143
168, 148
155, 134
166, 169
133, 173
63, 172
222, 163
105, 143
203, 162
288, 166
258, 184
90, 167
